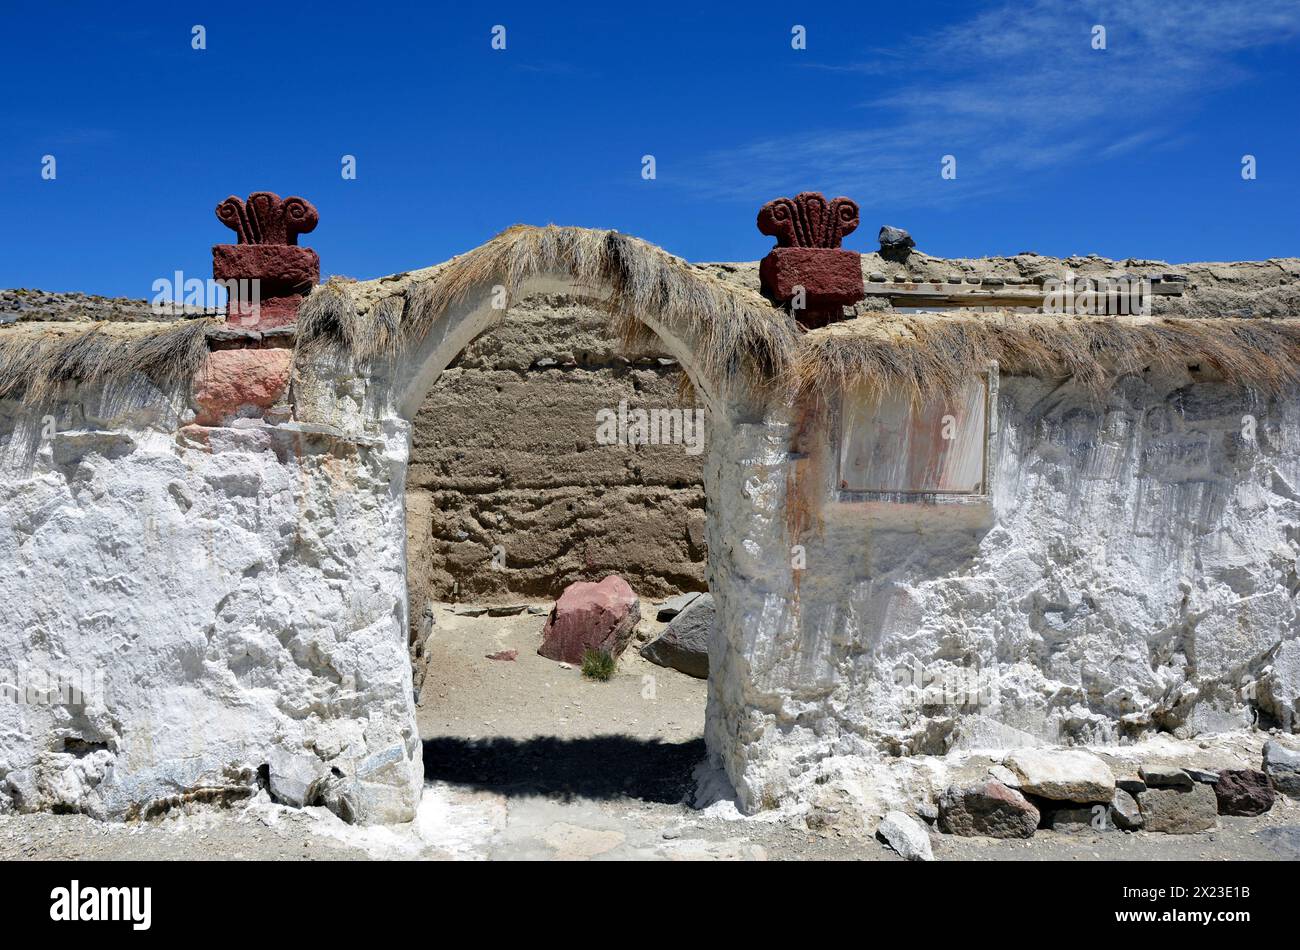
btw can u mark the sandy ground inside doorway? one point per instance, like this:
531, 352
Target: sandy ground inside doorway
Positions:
527, 760
467, 697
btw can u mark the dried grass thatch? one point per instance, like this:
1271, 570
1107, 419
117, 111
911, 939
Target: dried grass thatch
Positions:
733, 328
731, 325
40, 361
931, 355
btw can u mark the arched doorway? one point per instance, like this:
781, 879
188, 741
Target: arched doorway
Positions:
400, 334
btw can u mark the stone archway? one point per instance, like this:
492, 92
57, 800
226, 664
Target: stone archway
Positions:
395, 336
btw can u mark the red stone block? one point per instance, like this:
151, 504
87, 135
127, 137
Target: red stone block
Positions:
236, 382
828, 276
264, 314
285, 266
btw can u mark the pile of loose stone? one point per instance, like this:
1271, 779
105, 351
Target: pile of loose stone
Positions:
23, 306
1077, 791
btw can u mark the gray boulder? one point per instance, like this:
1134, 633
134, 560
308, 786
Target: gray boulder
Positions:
684, 644
1070, 775
1283, 767
1124, 811
906, 835
1179, 811
989, 809
895, 243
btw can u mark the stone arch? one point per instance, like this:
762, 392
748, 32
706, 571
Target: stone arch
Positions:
400, 333
416, 373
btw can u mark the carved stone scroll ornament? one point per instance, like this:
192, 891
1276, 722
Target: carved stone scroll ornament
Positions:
266, 218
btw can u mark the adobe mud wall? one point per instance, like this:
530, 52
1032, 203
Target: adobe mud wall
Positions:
505, 458
506, 462
510, 496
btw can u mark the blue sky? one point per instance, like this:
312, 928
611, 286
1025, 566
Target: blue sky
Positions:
1134, 150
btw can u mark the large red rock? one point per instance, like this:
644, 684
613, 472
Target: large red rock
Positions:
1244, 792
591, 616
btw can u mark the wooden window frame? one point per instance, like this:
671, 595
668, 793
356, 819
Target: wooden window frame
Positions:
981, 495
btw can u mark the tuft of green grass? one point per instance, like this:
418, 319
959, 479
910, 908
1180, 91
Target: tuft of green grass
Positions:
598, 665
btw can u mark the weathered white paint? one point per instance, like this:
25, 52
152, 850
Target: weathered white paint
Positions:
890, 443
241, 592
1133, 570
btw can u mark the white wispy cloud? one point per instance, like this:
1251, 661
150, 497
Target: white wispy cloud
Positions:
1014, 90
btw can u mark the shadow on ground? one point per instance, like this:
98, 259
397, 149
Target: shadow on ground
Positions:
600, 767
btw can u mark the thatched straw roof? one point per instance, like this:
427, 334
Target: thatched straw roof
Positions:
932, 354
38, 361
731, 326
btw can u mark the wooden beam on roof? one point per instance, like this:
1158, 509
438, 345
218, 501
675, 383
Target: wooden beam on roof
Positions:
985, 293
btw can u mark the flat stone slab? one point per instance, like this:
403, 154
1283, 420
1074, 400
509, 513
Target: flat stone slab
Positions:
506, 610
1178, 811
671, 607
1071, 775
1166, 776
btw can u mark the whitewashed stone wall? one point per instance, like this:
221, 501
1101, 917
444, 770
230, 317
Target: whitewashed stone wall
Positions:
237, 590
1133, 571
241, 590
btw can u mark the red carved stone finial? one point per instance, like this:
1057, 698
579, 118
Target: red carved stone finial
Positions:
269, 274
808, 220
266, 219
807, 263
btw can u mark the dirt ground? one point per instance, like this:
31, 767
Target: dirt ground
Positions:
527, 760
466, 696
